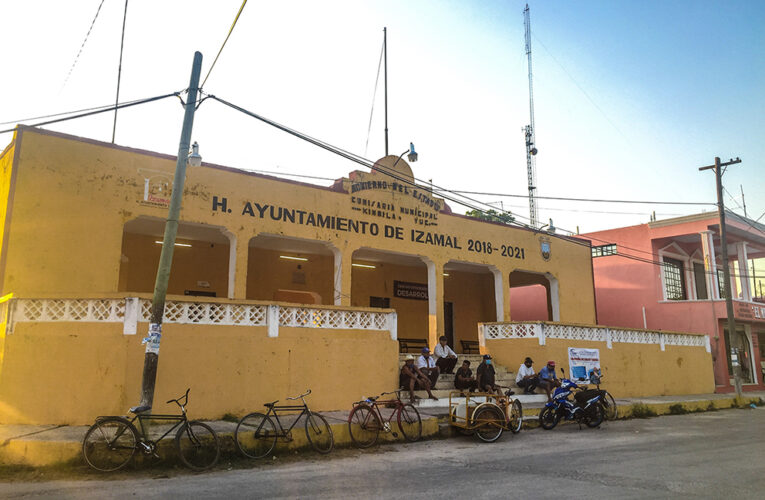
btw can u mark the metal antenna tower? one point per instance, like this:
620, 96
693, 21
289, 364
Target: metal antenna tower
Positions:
531, 150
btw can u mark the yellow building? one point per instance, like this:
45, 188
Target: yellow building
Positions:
81, 237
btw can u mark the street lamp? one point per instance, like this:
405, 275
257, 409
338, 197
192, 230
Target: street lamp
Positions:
195, 159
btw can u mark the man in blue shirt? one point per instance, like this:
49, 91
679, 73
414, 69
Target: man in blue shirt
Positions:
548, 379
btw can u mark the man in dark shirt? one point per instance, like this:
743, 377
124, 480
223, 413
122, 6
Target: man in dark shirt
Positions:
464, 379
485, 374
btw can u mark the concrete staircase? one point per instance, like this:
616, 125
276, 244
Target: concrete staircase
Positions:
445, 383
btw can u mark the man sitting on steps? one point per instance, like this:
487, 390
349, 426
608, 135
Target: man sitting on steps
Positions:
486, 380
464, 378
526, 377
445, 357
427, 365
411, 378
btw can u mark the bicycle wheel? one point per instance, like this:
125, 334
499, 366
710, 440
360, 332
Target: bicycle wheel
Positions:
109, 444
610, 409
516, 417
197, 445
409, 422
594, 415
255, 435
489, 421
364, 426
548, 418
319, 433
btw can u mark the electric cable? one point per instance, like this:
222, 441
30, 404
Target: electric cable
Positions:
77, 57
111, 107
594, 200
231, 30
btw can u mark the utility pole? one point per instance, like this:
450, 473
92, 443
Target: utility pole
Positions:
385, 51
743, 201
726, 270
528, 130
151, 357
119, 72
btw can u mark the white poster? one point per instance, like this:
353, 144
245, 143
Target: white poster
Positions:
581, 362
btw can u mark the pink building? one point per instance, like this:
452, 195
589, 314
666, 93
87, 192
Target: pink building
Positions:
667, 275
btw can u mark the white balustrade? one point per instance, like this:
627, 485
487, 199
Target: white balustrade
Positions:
544, 331
132, 310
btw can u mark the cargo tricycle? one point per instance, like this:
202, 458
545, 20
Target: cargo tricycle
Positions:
484, 414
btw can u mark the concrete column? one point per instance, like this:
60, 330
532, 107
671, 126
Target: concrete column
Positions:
500, 294
554, 296
710, 264
239, 248
435, 301
743, 258
343, 268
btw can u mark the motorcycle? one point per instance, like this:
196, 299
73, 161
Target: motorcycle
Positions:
586, 409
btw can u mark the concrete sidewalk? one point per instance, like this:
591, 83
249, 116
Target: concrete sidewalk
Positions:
43, 445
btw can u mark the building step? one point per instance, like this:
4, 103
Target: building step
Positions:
443, 399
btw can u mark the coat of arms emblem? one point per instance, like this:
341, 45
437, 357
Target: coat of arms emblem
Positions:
545, 248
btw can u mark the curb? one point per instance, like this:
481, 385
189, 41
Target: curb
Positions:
35, 451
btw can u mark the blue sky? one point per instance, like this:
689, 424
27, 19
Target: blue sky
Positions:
631, 97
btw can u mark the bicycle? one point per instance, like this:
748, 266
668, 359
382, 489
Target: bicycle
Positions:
255, 435
112, 441
366, 420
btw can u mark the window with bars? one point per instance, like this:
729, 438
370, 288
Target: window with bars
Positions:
674, 282
604, 250
722, 288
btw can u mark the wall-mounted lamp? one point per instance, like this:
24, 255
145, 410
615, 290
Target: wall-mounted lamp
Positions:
195, 159
177, 244
289, 257
446, 274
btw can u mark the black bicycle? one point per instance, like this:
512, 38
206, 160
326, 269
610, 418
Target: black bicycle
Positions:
256, 434
112, 441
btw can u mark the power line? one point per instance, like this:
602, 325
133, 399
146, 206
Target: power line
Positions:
244, 2
77, 57
119, 71
592, 101
101, 110
594, 200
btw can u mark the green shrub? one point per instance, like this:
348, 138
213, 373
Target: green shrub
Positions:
711, 406
678, 409
230, 417
735, 403
641, 410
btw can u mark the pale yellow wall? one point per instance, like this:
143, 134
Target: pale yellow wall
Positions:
630, 370
203, 261
68, 373
378, 282
73, 198
267, 273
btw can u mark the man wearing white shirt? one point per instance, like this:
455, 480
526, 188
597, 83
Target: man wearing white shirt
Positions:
445, 357
526, 378
427, 365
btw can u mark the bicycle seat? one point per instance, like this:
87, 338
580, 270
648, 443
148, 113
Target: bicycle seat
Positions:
139, 409
271, 404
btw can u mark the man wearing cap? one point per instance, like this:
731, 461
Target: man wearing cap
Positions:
410, 378
427, 365
526, 378
548, 379
485, 375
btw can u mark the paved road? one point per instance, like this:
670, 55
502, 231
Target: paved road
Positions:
710, 455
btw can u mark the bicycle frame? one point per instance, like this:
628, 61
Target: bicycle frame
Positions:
273, 410
143, 419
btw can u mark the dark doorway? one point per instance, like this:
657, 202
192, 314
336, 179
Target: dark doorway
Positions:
700, 276
381, 302
449, 323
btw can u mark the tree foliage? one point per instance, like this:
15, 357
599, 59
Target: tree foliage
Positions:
491, 215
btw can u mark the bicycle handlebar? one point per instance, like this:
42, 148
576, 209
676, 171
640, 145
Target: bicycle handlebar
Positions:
185, 398
301, 396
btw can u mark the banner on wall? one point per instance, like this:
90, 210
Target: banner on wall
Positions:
582, 361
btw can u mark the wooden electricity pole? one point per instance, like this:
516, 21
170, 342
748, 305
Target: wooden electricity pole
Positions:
726, 270
151, 357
